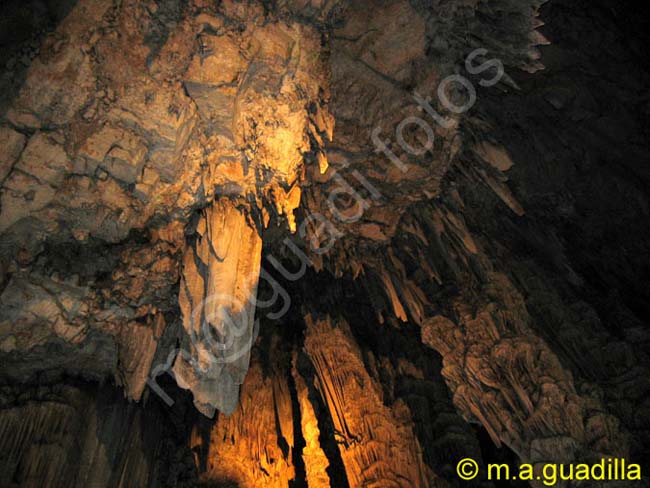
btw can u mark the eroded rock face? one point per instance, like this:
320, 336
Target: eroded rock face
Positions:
157, 156
174, 106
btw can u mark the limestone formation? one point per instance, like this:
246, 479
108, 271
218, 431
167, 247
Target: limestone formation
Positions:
321, 242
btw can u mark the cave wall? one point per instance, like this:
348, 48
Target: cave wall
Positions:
76, 433
161, 163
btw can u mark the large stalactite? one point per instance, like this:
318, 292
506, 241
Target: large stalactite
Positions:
217, 300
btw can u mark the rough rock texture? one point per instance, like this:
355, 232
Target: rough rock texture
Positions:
268, 204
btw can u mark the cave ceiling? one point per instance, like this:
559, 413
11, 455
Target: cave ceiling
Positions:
348, 235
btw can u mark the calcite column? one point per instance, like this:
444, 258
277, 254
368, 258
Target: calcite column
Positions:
253, 447
217, 299
377, 443
315, 459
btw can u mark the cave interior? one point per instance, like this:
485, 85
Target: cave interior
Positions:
322, 243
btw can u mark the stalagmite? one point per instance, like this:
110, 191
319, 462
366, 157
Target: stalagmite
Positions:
316, 462
375, 445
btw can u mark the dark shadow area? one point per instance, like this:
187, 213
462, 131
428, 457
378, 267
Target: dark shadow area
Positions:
578, 134
23, 26
75, 432
299, 441
499, 455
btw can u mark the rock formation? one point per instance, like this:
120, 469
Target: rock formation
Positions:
321, 242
